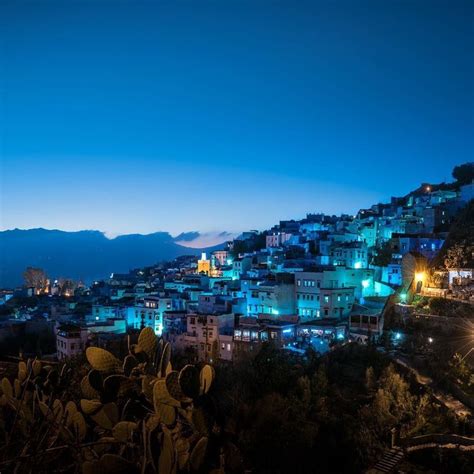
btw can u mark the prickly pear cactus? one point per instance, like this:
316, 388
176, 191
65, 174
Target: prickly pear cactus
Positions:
148, 341
101, 360
136, 415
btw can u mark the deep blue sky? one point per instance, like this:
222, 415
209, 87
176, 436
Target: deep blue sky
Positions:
144, 116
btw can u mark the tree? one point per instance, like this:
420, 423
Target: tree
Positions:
459, 369
67, 286
383, 255
461, 233
464, 174
36, 278
458, 255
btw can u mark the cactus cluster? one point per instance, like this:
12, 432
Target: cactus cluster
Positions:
139, 415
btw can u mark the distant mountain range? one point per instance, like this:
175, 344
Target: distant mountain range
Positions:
89, 255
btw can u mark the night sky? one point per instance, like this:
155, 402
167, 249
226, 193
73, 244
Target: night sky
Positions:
143, 116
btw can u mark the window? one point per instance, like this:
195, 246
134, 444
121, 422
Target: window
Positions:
223, 346
228, 347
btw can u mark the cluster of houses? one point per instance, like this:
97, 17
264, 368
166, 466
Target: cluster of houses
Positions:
315, 282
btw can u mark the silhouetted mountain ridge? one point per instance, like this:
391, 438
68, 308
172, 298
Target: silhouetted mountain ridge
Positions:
85, 254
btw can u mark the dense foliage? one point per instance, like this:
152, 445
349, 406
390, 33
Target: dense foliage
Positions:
322, 414
274, 413
458, 250
464, 174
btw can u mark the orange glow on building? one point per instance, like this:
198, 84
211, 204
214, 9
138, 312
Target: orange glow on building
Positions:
204, 265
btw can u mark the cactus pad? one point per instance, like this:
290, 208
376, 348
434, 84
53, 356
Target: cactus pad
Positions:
101, 360
206, 377
198, 454
148, 341
123, 430
189, 381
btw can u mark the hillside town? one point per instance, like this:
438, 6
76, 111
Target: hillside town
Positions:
313, 283
369, 317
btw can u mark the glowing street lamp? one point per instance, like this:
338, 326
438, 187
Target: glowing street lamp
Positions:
419, 276
403, 297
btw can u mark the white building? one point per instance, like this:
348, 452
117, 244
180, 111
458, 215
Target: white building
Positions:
203, 334
277, 239
70, 340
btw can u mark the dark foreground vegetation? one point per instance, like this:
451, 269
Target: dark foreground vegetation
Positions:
271, 414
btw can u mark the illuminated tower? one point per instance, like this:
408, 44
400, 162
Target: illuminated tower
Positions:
204, 265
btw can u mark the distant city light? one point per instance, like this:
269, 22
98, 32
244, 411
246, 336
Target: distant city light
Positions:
398, 336
430, 340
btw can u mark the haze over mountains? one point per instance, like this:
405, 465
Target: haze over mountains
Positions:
89, 254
